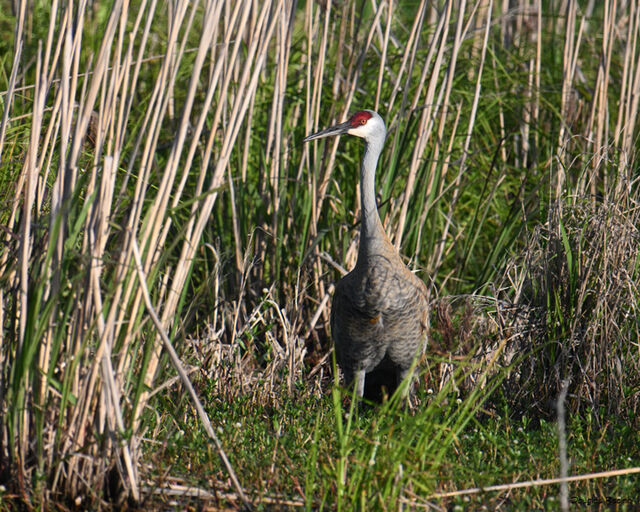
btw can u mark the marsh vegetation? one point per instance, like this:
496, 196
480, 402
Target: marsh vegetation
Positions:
152, 164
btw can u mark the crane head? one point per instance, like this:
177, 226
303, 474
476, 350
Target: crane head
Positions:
366, 124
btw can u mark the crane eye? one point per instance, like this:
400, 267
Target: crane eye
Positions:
359, 118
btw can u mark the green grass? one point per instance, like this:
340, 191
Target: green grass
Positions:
296, 452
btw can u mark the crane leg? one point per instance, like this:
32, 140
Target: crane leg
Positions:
360, 383
400, 376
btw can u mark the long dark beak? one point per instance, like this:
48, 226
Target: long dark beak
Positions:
334, 130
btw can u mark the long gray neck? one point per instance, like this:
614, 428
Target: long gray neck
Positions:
371, 225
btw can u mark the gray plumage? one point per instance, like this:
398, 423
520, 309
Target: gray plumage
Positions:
379, 313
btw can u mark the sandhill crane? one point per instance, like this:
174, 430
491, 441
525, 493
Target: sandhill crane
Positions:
379, 311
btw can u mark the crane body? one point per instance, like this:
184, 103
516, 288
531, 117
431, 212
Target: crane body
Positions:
379, 313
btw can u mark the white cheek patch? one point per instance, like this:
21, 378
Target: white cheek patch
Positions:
360, 131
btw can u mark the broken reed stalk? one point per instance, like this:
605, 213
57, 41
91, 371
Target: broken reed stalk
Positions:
562, 447
175, 360
534, 483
